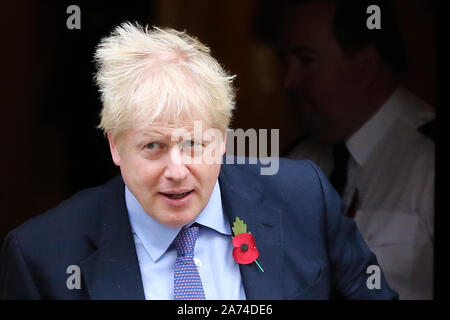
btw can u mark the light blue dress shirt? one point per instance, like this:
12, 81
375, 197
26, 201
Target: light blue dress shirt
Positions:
219, 272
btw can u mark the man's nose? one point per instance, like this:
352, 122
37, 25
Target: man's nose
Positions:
292, 75
175, 168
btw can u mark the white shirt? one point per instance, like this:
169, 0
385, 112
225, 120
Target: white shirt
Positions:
220, 274
392, 165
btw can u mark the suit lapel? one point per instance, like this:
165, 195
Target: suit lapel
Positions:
112, 271
244, 198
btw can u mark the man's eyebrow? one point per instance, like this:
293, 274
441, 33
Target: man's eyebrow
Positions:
301, 49
150, 135
161, 133
296, 50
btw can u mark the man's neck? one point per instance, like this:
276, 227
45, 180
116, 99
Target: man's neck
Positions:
375, 97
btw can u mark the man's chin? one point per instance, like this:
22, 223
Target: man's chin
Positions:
176, 219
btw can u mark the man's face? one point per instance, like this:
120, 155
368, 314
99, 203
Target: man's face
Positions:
321, 82
154, 166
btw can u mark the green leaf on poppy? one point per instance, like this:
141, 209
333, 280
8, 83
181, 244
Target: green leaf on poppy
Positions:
239, 227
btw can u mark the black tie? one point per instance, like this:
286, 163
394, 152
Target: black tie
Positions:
429, 129
338, 177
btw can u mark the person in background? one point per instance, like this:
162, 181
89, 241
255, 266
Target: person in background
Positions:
369, 134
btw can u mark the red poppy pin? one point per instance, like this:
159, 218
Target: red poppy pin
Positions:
244, 249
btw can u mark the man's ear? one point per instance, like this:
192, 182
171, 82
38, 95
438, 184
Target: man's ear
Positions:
224, 143
114, 150
368, 63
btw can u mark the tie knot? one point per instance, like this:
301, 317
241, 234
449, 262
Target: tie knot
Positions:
338, 176
341, 153
185, 240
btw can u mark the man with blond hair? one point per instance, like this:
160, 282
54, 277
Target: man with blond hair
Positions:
178, 223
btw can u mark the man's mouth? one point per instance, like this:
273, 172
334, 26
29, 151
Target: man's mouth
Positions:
176, 195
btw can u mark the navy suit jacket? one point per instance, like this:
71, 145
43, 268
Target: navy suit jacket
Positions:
308, 248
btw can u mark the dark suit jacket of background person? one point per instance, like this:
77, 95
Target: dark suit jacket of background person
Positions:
307, 247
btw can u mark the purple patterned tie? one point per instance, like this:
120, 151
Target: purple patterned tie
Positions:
187, 282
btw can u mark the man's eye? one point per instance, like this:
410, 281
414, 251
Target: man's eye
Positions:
191, 144
306, 60
152, 145
282, 57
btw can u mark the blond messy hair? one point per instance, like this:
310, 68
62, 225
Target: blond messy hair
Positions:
159, 75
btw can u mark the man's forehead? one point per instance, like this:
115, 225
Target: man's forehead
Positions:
161, 128
306, 22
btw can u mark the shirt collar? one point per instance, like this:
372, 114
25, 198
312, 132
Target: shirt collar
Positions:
157, 237
364, 140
